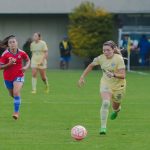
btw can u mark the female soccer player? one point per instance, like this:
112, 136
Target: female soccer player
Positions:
11, 62
39, 61
113, 83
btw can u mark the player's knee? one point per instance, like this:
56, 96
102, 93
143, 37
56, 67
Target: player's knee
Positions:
105, 104
15, 93
34, 75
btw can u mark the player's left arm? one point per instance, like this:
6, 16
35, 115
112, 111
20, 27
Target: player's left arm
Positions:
27, 64
45, 51
120, 74
45, 55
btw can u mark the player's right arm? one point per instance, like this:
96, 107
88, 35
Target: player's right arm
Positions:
89, 68
3, 65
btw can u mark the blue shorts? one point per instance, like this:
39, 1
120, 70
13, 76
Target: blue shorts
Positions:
65, 59
10, 84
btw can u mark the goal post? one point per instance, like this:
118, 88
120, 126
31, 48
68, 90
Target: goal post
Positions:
134, 33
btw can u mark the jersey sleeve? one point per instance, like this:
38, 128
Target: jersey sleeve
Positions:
121, 64
25, 56
45, 48
97, 61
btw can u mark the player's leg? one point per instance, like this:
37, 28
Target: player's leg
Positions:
61, 63
11, 93
64, 62
116, 103
44, 78
67, 62
116, 108
104, 111
9, 86
17, 99
34, 79
67, 65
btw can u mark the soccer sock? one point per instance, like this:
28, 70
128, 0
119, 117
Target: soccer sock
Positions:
34, 82
117, 110
46, 82
104, 113
17, 102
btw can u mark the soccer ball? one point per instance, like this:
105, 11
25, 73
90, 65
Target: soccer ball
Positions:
78, 132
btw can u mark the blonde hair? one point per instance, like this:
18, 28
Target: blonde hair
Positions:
114, 46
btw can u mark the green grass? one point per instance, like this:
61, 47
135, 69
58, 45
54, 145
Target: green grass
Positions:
46, 119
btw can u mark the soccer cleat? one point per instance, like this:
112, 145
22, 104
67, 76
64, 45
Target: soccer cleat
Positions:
15, 115
47, 89
33, 92
113, 115
102, 131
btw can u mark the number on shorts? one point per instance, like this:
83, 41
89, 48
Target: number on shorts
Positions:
20, 79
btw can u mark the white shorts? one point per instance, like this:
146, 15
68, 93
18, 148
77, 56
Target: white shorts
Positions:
117, 95
43, 66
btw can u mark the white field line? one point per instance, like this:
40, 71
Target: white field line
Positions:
55, 102
72, 103
22, 102
139, 72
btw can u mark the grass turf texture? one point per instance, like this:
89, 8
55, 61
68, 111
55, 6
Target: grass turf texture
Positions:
46, 119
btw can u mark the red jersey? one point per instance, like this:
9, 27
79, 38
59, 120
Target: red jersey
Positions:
15, 70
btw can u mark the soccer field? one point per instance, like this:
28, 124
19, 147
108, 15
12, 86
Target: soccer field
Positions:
46, 119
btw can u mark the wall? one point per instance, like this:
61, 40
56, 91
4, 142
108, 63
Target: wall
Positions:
52, 28
66, 6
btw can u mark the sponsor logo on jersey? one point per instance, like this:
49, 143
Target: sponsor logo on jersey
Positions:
13, 59
113, 64
19, 56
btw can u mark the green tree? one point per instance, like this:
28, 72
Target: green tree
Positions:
89, 28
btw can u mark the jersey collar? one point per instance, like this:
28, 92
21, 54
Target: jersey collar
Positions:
13, 53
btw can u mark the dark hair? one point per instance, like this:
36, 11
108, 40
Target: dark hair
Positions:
13, 37
113, 45
4, 42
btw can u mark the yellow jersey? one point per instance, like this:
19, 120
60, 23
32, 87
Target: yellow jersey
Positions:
38, 51
113, 64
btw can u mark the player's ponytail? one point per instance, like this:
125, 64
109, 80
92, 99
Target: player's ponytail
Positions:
114, 46
117, 50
